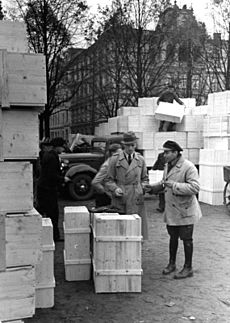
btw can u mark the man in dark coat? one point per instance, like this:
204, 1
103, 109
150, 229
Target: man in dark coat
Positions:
49, 180
168, 95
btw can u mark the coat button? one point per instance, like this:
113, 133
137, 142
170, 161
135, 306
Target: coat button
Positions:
173, 205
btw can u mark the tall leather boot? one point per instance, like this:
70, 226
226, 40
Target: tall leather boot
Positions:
187, 269
171, 267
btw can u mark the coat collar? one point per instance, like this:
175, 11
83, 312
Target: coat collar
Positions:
176, 167
122, 161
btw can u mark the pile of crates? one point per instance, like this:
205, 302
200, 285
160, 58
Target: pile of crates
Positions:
105, 247
22, 96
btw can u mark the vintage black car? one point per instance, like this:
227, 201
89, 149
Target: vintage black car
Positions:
81, 167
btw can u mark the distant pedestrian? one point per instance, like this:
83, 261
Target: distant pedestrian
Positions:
168, 95
182, 208
126, 180
49, 179
159, 165
102, 195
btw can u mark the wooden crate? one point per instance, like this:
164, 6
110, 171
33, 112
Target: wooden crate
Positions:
216, 126
23, 238
77, 243
148, 102
16, 187
23, 79
44, 270
17, 296
145, 140
211, 177
13, 36
20, 133
150, 156
191, 123
44, 295
117, 253
77, 269
212, 197
222, 142
127, 111
214, 157
112, 125
172, 112
194, 139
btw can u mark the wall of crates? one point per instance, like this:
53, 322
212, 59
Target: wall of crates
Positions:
26, 240
202, 131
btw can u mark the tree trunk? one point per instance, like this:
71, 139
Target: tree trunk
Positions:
228, 62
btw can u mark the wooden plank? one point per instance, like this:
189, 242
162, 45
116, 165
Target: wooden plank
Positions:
77, 269
4, 85
2, 243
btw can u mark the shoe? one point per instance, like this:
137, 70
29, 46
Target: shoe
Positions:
160, 210
169, 269
184, 273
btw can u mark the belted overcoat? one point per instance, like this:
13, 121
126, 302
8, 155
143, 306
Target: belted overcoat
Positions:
130, 178
182, 206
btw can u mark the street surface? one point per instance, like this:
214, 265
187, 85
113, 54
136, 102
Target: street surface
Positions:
203, 298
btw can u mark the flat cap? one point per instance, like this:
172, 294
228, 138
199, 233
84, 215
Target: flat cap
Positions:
172, 145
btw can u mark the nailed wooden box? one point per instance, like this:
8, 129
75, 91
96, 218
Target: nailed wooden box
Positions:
23, 78
44, 270
77, 243
17, 293
16, 189
23, 234
20, 133
13, 36
117, 253
172, 112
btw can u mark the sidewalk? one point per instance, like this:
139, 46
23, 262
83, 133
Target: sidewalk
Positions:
203, 298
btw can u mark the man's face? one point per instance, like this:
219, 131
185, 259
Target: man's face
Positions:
170, 155
60, 149
130, 148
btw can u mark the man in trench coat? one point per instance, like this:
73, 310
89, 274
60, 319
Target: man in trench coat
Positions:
126, 179
182, 208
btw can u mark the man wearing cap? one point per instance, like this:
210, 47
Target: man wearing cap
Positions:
48, 181
126, 179
182, 210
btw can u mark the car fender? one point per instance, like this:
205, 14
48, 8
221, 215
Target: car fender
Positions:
81, 168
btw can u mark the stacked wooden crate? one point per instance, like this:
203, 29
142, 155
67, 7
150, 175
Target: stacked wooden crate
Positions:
215, 153
22, 95
77, 259
116, 253
44, 270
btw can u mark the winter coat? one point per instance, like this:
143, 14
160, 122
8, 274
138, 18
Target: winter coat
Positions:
130, 179
182, 206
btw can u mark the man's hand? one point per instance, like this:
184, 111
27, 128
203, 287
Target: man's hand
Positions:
118, 192
147, 188
169, 183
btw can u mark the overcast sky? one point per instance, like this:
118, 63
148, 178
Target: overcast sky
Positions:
200, 7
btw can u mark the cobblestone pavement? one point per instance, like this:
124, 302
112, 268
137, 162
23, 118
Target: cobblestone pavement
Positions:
203, 298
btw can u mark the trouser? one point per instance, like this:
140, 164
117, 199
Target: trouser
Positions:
47, 206
162, 201
185, 233
167, 126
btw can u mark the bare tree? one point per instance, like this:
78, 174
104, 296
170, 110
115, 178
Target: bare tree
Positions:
53, 26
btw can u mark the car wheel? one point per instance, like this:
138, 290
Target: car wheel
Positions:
80, 188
